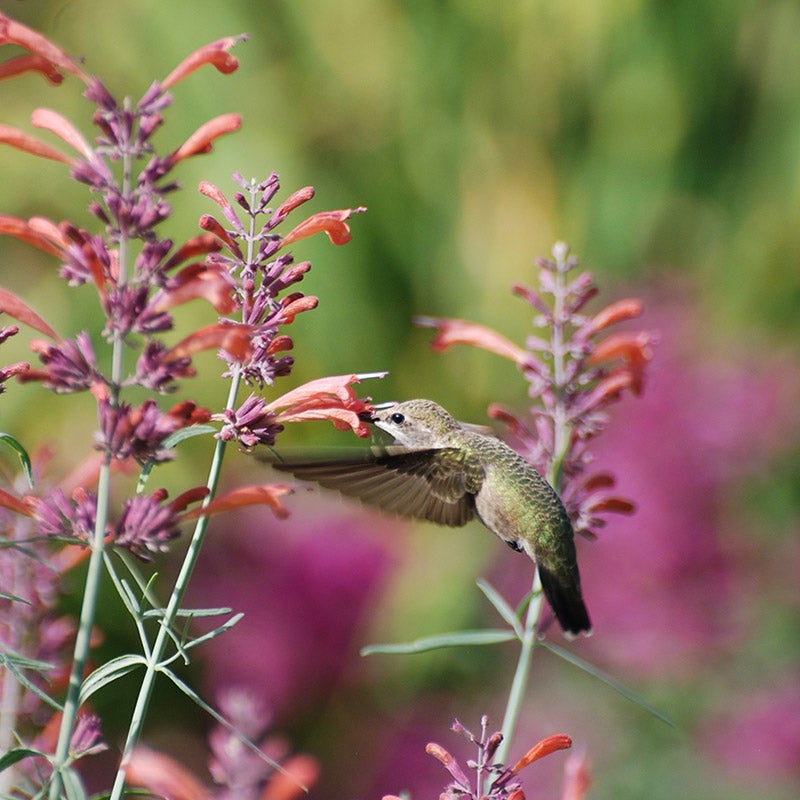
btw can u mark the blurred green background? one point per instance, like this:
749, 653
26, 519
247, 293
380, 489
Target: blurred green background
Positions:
660, 139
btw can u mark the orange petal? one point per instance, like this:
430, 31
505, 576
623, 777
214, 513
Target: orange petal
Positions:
331, 222
296, 306
235, 339
30, 144
15, 32
196, 246
163, 776
21, 311
212, 225
459, 331
15, 504
214, 53
30, 63
267, 494
337, 385
294, 200
59, 125
628, 308
197, 281
203, 138
47, 237
559, 741
577, 777
300, 774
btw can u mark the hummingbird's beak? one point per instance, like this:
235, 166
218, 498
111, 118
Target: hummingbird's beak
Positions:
367, 416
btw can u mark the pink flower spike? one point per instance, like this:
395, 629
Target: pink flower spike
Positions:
163, 776
459, 331
203, 138
559, 741
13, 32
30, 144
22, 312
30, 63
54, 122
331, 222
262, 495
214, 53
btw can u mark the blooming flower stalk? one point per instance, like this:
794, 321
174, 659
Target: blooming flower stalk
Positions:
490, 780
239, 266
575, 371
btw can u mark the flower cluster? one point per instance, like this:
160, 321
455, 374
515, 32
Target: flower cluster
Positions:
572, 376
240, 773
493, 781
240, 267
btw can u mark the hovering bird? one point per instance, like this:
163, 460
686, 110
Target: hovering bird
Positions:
448, 472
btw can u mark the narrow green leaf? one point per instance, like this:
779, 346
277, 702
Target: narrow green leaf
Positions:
24, 458
170, 442
190, 612
454, 639
15, 664
11, 659
501, 606
192, 695
109, 672
628, 694
11, 757
73, 785
13, 598
226, 626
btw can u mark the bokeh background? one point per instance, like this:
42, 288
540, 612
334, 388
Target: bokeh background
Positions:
662, 141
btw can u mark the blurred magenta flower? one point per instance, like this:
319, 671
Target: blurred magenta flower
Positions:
758, 737
668, 583
304, 588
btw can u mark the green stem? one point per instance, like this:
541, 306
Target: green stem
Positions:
561, 441
84, 634
154, 662
520, 682
94, 572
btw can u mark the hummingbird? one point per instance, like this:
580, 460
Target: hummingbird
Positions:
449, 472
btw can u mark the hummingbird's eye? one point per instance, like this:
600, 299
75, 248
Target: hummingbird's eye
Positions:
397, 418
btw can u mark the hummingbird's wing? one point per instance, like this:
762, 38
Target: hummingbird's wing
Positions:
436, 484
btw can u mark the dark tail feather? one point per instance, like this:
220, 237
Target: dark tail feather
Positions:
567, 604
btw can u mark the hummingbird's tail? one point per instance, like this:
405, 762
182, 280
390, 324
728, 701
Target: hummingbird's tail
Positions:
567, 604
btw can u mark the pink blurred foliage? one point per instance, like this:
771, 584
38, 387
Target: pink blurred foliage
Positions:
305, 585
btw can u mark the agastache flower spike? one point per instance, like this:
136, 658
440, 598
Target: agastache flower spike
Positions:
492, 781
573, 377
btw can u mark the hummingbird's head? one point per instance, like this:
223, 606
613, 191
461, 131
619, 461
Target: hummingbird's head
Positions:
416, 423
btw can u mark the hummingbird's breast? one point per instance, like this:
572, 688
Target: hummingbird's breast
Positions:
518, 504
